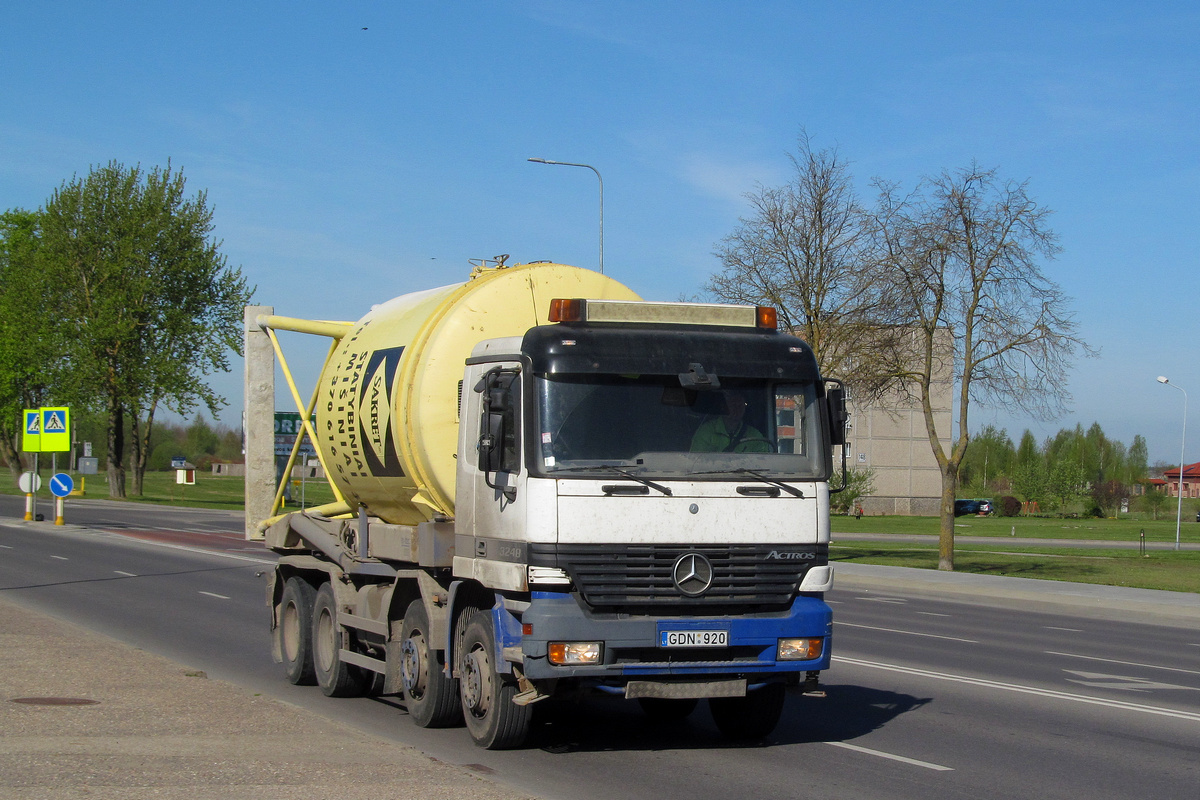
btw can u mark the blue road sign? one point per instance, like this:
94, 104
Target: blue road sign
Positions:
61, 484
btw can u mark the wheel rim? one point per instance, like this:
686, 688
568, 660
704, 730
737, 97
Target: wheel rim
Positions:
291, 631
325, 643
477, 683
414, 671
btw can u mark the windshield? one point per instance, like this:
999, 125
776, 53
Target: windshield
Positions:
651, 426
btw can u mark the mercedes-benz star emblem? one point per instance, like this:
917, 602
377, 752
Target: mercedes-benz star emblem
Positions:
693, 574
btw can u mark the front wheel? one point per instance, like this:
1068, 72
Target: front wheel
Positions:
335, 677
750, 717
431, 697
493, 719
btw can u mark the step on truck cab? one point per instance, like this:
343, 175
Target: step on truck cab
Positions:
545, 485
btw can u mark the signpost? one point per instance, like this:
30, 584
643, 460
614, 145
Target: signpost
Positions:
43, 430
61, 485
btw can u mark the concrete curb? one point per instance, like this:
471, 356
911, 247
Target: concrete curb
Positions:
1117, 603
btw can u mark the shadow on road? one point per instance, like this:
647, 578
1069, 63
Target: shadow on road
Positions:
594, 724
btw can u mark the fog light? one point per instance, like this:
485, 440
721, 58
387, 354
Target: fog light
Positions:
799, 649
566, 653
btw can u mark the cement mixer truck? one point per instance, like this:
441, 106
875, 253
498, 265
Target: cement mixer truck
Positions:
544, 485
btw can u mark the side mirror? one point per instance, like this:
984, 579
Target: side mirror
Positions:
835, 400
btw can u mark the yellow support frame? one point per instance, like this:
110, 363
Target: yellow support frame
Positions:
334, 330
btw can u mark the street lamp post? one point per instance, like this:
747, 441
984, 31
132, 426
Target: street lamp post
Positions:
1182, 445
593, 169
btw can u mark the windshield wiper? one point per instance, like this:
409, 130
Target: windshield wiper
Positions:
792, 490
623, 473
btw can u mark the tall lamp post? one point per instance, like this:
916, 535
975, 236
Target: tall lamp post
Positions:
593, 169
1182, 443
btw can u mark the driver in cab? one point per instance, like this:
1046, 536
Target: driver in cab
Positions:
729, 432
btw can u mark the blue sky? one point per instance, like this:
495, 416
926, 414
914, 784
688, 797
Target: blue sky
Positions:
347, 166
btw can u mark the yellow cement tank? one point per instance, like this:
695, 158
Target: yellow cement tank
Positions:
387, 407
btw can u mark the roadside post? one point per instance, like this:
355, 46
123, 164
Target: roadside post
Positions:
30, 482
31, 442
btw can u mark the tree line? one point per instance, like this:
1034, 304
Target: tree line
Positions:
116, 300
1074, 471
941, 281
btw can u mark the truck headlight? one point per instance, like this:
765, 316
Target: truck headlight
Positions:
799, 649
568, 653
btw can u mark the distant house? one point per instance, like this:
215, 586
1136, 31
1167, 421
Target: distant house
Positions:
1189, 476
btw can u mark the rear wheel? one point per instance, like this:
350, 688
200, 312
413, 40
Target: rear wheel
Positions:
335, 677
750, 717
664, 710
431, 697
493, 720
295, 631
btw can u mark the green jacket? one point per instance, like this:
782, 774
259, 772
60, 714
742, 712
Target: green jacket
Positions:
714, 437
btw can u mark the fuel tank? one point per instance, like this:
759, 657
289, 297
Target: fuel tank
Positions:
388, 397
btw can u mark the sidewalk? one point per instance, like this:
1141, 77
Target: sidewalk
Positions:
152, 728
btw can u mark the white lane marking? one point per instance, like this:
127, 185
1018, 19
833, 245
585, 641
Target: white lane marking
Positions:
1011, 687
1123, 663
218, 596
61, 558
894, 600
932, 614
6, 547
1101, 680
1068, 630
188, 549
909, 633
892, 757
126, 574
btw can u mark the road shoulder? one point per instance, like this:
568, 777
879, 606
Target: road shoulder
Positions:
150, 727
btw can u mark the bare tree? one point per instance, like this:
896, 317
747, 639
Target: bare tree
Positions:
806, 249
964, 253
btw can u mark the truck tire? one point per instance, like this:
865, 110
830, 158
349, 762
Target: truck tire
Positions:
430, 696
336, 678
751, 717
663, 710
493, 720
295, 631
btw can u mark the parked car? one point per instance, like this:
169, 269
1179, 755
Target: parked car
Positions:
986, 507
964, 507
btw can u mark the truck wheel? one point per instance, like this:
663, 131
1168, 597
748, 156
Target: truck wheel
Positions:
493, 720
336, 678
431, 697
750, 717
663, 710
295, 631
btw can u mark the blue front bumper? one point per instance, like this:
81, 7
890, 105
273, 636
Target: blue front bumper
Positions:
631, 643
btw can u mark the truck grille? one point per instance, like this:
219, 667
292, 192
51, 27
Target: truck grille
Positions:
641, 575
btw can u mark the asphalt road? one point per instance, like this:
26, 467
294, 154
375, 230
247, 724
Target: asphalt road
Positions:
926, 698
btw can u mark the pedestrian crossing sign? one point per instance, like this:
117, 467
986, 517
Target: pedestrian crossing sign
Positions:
56, 430
31, 431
